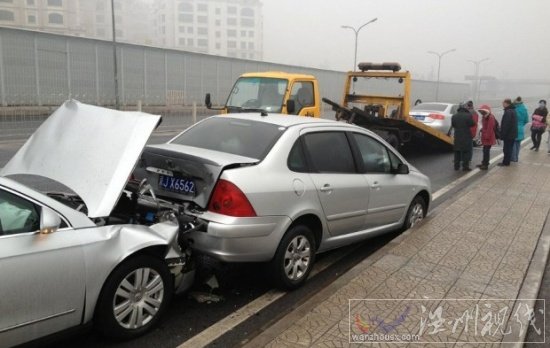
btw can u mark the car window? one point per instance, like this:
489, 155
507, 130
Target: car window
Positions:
296, 159
17, 215
239, 137
302, 94
376, 158
330, 152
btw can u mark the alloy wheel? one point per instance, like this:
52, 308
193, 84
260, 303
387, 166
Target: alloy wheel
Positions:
297, 257
138, 298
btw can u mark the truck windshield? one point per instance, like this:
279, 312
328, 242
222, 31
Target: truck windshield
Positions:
258, 93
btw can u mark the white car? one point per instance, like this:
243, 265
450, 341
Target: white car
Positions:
99, 255
435, 115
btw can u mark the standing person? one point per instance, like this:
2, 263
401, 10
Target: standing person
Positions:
538, 124
523, 119
508, 130
475, 117
462, 121
488, 136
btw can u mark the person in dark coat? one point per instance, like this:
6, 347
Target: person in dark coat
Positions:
508, 131
462, 122
488, 135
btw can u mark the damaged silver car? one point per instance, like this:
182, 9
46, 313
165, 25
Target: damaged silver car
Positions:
106, 252
279, 189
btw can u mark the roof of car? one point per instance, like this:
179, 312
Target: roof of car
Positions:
282, 120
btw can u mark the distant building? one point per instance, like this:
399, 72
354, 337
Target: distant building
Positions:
223, 27
55, 16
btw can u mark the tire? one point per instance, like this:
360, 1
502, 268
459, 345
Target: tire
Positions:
416, 212
157, 298
286, 276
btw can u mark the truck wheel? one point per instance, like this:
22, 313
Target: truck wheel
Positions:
294, 258
134, 297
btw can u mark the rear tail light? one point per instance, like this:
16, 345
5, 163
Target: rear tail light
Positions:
436, 116
228, 199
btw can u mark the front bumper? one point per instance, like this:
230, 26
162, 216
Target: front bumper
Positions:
232, 239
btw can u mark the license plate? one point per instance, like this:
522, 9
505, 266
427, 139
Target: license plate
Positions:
420, 118
177, 185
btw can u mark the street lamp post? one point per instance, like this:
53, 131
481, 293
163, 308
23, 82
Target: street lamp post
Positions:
117, 97
439, 56
477, 63
356, 31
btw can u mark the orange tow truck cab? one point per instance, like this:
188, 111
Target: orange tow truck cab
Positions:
273, 92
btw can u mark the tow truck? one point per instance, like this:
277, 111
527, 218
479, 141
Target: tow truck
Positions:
385, 114
273, 92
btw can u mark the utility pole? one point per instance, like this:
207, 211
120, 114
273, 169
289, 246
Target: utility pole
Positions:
356, 31
477, 63
115, 63
439, 56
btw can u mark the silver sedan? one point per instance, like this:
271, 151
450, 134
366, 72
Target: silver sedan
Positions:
281, 189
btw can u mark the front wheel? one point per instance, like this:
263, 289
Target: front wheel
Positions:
416, 212
294, 258
134, 297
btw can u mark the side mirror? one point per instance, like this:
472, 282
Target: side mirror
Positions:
402, 168
290, 106
49, 221
208, 101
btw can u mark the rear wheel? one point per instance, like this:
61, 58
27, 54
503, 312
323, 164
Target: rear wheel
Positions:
416, 212
134, 297
294, 258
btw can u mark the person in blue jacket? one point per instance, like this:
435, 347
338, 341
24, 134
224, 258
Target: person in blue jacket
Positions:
523, 118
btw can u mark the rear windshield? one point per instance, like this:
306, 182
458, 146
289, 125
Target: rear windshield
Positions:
239, 137
431, 107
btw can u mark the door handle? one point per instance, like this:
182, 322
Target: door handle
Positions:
375, 185
325, 188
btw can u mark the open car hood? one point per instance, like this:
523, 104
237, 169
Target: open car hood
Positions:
91, 150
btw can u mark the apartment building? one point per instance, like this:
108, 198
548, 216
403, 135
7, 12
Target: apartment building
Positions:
222, 27
55, 16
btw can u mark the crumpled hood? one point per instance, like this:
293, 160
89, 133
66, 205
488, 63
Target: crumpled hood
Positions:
91, 150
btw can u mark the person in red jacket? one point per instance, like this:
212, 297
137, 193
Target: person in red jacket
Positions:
488, 136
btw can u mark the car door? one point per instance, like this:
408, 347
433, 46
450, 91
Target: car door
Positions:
302, 92
389, 192
342, 190
42, 276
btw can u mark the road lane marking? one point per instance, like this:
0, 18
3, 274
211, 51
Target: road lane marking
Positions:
228, 323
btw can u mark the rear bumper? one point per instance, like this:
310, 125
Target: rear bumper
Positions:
240, 239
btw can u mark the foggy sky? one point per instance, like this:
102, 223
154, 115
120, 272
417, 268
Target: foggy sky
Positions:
514, 34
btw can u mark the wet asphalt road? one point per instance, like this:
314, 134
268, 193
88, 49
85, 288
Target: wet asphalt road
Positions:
242, 283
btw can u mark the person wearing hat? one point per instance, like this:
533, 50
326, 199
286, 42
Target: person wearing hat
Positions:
488, 135
538, 124
508, 131
462, 122
523, 119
